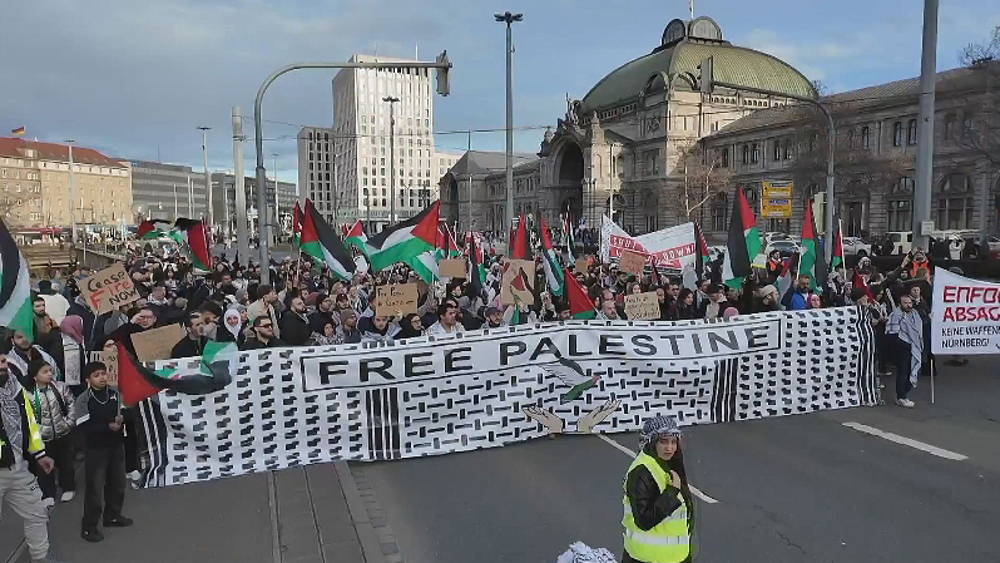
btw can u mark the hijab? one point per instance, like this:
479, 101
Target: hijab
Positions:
73, 326
406, 329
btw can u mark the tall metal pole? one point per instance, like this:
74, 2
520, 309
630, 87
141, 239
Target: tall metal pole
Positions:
175, 200
190, 197
468, 156
72, 192
239, 185
509, 18
392, 156
277, 205
336, 202
925, 152
208, 178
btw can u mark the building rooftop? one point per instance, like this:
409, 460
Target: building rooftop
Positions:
13, 147
683, 48
486, 162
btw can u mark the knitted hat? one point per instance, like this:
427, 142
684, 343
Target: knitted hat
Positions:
657, 427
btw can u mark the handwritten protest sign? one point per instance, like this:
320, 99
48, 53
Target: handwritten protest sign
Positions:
452, 268
109, 289
402, 296
156, 343
633, 262
110, 359
517, 283
582, 265
642, 306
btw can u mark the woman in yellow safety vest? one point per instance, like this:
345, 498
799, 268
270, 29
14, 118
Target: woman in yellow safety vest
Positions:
657, 499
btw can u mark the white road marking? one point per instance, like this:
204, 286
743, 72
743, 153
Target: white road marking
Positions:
933, 450
630, 453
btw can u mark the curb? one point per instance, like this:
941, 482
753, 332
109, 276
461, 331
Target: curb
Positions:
370, 546
18, 552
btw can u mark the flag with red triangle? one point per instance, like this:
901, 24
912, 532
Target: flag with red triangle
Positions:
296, 225
356, 236
320, 241
811, 262
554, 276
838, 248
580, 305
519, 241
412, 242
196, 235
743, 244
701, 251
137, 382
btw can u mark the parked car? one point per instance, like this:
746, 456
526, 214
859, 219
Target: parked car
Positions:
786, 247
902, 241
854, 245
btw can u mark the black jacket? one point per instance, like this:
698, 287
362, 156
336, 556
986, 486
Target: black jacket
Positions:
649, 506
254, 344
295, 329
188, 348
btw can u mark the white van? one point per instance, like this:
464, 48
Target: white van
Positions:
902, 241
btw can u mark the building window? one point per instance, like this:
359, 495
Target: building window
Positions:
777, 151
949, 127
900, 202
720, 212
746, 154
788, 150
897, 134
954, 203
966, 125
755, 155
911, 132
866, 137
724, 158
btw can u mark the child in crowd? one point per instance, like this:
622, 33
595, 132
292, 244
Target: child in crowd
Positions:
99, 417
53, 404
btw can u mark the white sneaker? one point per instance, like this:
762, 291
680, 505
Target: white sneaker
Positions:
134, 475
67, 496
905, 403
49, 502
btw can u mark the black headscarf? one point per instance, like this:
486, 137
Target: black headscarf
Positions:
406, 329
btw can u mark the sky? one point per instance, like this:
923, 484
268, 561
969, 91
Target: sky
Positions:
135, 78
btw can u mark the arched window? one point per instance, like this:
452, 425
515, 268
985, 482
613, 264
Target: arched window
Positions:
788, 150
954, 202
911, 132
746, 154
897, 134
720, 212
777, 150
755, 154
866, 137
724, 158
949, 127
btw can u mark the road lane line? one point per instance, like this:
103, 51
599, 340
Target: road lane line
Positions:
933, 450
630, 453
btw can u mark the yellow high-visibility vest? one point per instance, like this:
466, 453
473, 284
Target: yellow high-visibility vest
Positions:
668, 541
35, 444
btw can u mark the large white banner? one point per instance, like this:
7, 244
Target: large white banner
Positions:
430, 396
965, 317
670, 248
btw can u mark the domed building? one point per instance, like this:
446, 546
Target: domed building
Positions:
626, 136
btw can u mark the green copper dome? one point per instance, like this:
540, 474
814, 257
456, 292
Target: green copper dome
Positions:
685, 46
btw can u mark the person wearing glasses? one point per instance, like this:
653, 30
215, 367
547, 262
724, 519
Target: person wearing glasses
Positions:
263, 335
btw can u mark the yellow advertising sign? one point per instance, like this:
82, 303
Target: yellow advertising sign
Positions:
776, 199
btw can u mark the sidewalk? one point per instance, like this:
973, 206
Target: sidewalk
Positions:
229, 520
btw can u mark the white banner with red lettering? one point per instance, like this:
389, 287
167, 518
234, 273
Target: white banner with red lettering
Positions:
965, 316
670, 248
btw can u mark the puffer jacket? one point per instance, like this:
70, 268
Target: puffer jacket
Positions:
54, 410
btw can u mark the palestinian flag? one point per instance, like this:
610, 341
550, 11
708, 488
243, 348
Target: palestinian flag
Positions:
195, 234
838, 248
788, 273
701, 251
137, 382
580, 306
570, 242
519, 241
553, 272
571, 375
412, 242
811, 262
296, 225
149, 231
15, 287
446, 245
743, 244
476, 268
320, 241
356, 237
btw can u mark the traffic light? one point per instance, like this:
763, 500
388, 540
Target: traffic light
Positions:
443, 77
706, 81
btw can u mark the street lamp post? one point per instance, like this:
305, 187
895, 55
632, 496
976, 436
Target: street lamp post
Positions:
277, 206
509, 18
392, 156
208, 177
72, 192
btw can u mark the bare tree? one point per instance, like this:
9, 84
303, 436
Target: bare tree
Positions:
982, 135
14, 207
704, 177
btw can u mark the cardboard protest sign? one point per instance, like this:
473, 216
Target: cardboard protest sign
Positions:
453, 268
517, 283
156, 343
642, 306
109, 289
402, 296
633, 262
110, 359
582, 265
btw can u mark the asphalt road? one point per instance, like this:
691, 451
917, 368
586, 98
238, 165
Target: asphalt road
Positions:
804, 488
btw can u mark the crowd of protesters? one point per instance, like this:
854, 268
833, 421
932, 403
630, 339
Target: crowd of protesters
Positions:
304, 305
